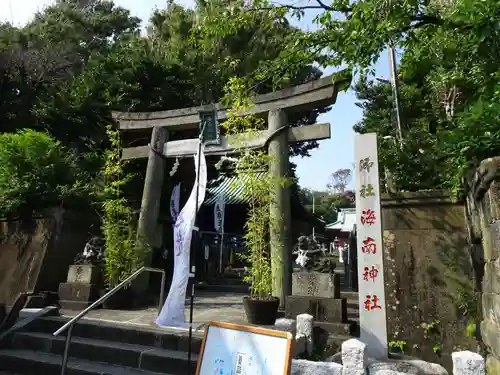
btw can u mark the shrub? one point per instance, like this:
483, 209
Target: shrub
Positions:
37, 172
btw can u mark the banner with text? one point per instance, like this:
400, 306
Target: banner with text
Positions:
175, 202
172, 313
373, 323
219, 214
219, 209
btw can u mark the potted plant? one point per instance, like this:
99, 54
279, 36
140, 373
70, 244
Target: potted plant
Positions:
260, 307
124, 253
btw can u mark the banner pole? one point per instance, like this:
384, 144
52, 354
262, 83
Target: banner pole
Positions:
220, 252
191, 302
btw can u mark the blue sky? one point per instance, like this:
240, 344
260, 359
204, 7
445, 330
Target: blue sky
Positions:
313, 172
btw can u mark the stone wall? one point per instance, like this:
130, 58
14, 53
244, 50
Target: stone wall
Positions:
35, 253
427, 268
483, 211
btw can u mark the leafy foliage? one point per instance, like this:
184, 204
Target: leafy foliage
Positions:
124, 252
448, 73
75, 62
37, 172
326, 203
259, 223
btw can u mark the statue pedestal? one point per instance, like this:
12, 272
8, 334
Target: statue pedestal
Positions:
315, 284
317, 294
81, 288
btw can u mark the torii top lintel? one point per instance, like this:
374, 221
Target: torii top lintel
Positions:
311, 95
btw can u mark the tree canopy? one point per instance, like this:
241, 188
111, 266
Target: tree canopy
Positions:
65, 71
448, 71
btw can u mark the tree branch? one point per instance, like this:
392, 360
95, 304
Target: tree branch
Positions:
421, 21
321, 5
324, 6
292, 7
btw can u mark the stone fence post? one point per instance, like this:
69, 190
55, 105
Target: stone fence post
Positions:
353, 357
468, 363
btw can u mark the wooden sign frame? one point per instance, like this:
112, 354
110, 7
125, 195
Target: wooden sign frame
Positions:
250, 329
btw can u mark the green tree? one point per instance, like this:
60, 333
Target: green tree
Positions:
213, 59
37, 172
450, 48
326, 203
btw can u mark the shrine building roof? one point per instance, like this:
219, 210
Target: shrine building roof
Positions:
346, 220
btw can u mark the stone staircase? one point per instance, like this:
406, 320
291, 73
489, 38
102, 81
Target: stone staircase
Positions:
99, 348
352, 305
224, 285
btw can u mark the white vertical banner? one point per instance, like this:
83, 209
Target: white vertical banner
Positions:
172, 313
175, 202
219, 210
372, 319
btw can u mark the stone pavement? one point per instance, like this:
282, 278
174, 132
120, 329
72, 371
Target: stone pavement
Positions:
222, 307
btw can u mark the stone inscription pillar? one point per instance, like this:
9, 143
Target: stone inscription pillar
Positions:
281, 244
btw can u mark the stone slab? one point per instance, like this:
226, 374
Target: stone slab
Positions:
321, 308
492, 365
494, 243
315, 284
75, 296
492, 250
304, 367
490, 333
83, 274
405, 366
491, 279
491, 306
343, 329
467, 363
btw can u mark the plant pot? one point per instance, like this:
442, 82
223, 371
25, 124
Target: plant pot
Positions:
121, 300
261, 311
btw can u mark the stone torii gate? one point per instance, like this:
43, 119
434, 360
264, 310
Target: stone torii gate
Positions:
276, 106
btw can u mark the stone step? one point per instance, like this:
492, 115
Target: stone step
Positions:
223, 288
352, 314
27, 362
349, 295
353, 306
159, 338
111, 352
226, 281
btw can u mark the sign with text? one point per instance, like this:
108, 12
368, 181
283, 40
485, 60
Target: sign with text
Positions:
210, 128
219, 209
233, 349
373, 323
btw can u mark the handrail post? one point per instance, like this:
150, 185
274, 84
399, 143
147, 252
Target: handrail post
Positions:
66, 350
70, 324
162, 290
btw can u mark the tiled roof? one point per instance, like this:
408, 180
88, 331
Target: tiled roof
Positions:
231, 187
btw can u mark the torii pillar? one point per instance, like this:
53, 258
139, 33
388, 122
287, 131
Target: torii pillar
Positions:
280, 210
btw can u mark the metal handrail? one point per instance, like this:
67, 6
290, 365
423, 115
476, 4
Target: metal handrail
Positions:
69, 325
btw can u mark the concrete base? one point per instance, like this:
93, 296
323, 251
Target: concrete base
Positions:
321, 308
73, 296
405, 365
